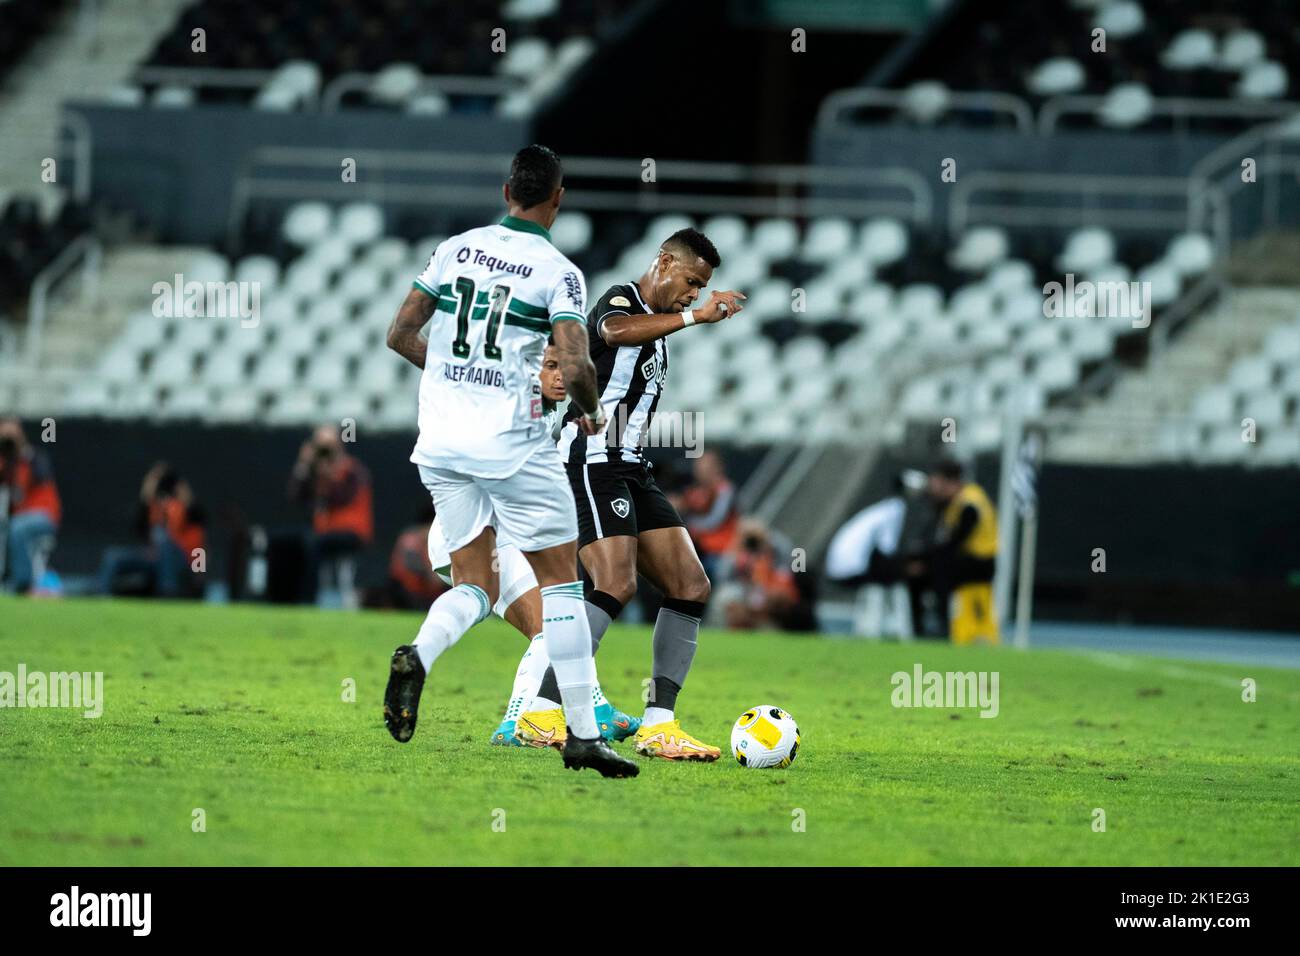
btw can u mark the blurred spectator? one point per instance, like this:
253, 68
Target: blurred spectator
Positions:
412, 582
759, 588
709, 509
29, 500
172, 523
337, 488
864, 554
960, 564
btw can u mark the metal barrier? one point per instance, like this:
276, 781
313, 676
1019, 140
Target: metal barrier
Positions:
331, 96
1050, 113
914, 199
1171, 107
980, 101
963, 208
85, 249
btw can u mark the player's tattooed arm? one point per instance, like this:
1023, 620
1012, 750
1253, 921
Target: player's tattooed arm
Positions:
621, 329
404, 334
574, 353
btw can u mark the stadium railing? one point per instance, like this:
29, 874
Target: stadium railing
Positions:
88, 253
912, 194
933, 101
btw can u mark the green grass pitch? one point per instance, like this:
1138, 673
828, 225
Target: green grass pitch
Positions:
239, 711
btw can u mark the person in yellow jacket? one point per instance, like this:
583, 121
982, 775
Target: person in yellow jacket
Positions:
961, 562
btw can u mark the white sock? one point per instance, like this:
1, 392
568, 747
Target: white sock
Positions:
452, 614
568, 641
656, 715
528, 678
598, 696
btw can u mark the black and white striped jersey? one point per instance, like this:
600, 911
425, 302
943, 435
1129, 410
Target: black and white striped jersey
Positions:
629, 378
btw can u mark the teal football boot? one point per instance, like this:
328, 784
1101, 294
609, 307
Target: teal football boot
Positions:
614, 724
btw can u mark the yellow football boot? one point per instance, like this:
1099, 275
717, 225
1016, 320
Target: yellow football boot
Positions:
542, 728
669, 741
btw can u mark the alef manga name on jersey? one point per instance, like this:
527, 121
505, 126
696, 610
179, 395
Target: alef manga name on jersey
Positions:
473, 375
493, 263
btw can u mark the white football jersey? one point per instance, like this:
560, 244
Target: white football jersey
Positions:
498, 289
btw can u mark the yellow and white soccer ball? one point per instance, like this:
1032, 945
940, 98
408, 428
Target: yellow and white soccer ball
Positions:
764, 737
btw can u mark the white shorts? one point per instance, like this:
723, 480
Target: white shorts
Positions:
515, 573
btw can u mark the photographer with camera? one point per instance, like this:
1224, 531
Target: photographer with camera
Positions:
336, 487
760, 589
30, 508
172, 523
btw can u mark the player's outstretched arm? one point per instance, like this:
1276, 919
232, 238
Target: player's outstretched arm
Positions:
574, 353
621, 329
404, 334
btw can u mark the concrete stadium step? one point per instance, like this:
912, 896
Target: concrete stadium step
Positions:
81, 325
83, 55
1122, 426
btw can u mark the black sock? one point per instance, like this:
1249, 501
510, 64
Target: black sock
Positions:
665, 693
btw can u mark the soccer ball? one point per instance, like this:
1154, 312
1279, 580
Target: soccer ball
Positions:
763, 737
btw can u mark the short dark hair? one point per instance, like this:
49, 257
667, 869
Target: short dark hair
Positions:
948, 468
695, 242
535, 174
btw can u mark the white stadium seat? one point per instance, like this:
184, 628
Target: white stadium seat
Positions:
883, 241
307, 222
1241, 50
360, 223
1126, 105
1191, 49
572, 233
1056, 77
775, 239
1262, 81
827, 239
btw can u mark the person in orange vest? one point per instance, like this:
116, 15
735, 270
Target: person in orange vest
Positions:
173, 523
709, 509
31, 499
336, 487
961, 563
412, 582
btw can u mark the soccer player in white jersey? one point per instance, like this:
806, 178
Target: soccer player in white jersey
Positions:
520, 602
490, 297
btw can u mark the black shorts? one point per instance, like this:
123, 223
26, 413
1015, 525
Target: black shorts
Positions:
618, 497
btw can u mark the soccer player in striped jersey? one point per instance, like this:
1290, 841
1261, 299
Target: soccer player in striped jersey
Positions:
491, 296
626, 523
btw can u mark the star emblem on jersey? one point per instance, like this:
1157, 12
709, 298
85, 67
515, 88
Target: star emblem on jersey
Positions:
621, 507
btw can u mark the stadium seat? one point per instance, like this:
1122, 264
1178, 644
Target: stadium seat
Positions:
1264, 80
572, 233
360, 223
307, 223
826, 239
1056, 77
1120, 18
1242, 49
883, 241
1213, 404
1085, 250
395, 84
979, 250
1126, 105
775, 239
428, 104
1192, 49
